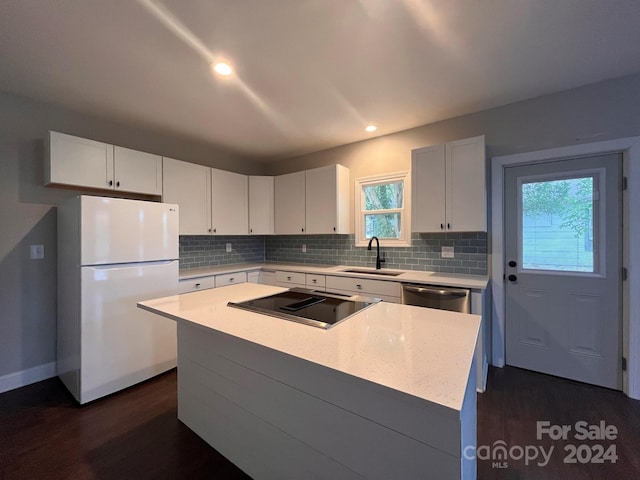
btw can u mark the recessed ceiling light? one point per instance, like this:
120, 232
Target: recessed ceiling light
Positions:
371, 128
222, 68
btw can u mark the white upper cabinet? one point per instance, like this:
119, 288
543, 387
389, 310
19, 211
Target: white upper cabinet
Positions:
428, 189
449, 187
229, 203
327, 200
86, 163
136, 171
290, 203
188, 185
78, 161
466, 202
261, 205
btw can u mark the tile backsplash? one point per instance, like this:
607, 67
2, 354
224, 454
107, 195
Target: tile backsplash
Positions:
424, 254
209, 250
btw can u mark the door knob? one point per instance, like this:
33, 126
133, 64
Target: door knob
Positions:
512, 278
512, 263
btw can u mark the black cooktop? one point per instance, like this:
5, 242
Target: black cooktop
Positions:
311, 307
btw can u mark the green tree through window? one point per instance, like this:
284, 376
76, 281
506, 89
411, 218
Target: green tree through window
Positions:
378, 198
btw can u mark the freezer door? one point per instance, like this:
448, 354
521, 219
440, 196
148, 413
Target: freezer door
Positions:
116, 230
122, 345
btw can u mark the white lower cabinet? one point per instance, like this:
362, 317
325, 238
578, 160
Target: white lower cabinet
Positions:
291, 279
231, 279
254, 277
315, 282
268, 277
193, 284
385, 290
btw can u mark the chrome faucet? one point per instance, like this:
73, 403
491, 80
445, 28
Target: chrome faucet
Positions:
379, 260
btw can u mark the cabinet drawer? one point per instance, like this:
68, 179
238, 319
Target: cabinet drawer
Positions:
296, 278
315, 281
193, 284
364, 285
230, 279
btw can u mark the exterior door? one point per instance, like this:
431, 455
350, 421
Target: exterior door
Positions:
563, 271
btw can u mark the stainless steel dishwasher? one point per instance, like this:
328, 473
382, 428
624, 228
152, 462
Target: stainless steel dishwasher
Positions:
433, 296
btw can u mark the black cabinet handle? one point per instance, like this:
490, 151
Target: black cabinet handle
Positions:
303, 229
512, 278
214, 230
251, 230
231, 279
442, 226
117, 184
512, 263
358, 286
111, 183
334, 229
448, 226
197, 285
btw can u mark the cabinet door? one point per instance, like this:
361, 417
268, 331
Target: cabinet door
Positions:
229, 203
188, 185
327, 196
290, 203
261, 201
78, 161
137, 172
466, 203
428, 189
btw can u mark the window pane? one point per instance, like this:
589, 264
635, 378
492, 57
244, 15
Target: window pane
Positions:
557, 225
382, 225
383, 196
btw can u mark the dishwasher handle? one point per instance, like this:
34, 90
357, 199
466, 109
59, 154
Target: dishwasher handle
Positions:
443, 292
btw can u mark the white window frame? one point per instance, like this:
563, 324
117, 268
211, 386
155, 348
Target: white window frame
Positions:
405, 211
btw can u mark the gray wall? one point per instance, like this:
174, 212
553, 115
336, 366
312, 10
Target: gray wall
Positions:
592, 113
28, 216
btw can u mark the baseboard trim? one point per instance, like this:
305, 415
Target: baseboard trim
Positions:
27, 377
485, 372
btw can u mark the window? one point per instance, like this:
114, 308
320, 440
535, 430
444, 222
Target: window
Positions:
558, 219
383, 210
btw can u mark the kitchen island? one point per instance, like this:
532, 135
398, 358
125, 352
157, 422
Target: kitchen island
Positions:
388, 393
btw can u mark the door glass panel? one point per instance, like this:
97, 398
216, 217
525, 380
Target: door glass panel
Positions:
557, 221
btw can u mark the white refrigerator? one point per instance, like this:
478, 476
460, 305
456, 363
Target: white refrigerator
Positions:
113, 253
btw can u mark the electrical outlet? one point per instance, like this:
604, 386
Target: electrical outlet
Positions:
447, 252
37, 252
228, 248
304, 248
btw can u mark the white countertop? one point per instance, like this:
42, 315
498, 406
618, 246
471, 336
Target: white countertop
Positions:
407, 276
419, 351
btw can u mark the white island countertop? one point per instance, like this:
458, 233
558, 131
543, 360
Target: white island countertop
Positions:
419, 351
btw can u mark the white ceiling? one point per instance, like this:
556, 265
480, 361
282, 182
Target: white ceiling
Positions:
311, 74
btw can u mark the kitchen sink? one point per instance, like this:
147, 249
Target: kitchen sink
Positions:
386, 273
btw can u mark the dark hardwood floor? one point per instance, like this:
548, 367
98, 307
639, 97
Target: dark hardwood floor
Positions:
135, 434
